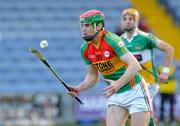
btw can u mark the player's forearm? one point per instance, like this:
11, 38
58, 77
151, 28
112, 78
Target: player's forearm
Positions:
168, 50
131, 71
169, 54
87, 83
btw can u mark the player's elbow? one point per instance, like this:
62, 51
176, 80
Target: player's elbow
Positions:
169, 51
94, 78
169, 47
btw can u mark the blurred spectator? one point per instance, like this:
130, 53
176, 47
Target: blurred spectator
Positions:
167, 92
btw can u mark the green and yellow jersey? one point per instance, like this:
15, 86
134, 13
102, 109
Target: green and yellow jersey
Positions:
141, 45
106, 58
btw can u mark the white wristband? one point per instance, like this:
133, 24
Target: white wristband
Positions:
165, 70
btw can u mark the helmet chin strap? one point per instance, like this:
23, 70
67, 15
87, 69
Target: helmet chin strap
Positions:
89, 38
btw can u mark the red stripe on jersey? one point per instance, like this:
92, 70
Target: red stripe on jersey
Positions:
132, 82
146, 94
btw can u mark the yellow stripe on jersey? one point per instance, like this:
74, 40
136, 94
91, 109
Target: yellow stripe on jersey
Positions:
124, 50
149, 78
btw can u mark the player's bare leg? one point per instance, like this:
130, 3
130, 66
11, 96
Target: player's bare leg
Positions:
152, 121
153, 91
116, 116
140, 119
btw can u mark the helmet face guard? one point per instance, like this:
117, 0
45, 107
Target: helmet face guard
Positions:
93, 17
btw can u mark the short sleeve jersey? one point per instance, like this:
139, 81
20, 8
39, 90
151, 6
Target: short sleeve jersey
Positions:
142, 48
106, 58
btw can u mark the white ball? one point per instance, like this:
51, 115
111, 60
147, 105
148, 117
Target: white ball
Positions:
43, 44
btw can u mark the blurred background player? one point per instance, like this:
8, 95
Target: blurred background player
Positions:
167, 92
141, 44
105, 53
143, 25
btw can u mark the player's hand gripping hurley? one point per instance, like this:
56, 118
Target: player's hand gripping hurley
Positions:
42, 58
146, 69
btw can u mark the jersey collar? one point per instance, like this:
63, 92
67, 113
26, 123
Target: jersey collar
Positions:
133, 36
100, 36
